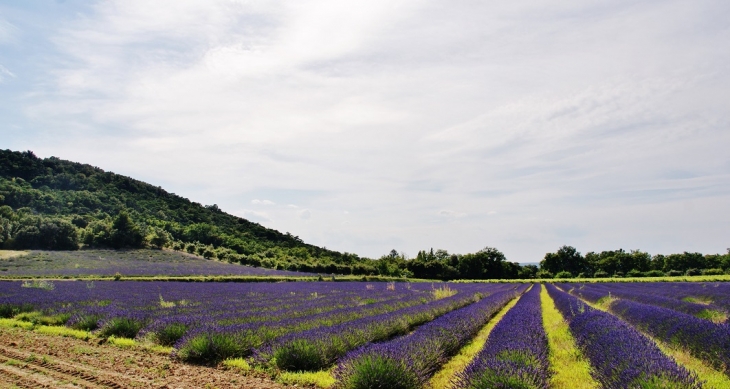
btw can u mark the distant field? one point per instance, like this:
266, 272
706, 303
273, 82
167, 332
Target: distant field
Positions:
5, 254
126, 263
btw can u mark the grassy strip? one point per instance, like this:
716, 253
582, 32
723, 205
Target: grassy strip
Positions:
570, 369
13, 323
63, 331
319, 379
713, 378
442, 379
5, 254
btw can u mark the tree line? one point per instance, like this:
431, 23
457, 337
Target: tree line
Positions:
567, 262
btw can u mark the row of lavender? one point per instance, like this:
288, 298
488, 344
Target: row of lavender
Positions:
620, 355
210, 322
409, 361
669, 319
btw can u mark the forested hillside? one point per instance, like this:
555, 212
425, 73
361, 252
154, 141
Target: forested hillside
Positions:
59, 205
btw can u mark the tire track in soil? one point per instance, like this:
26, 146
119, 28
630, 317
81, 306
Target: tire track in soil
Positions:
105, 366
81, 376
18, 377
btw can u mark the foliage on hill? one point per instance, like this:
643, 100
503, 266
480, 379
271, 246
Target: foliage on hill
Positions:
58, 205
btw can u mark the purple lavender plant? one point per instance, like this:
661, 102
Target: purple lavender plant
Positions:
621, 356
516, 353
704, 339
409, 361
320, 348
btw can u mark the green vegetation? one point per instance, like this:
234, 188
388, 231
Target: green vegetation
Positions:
570, 369
319, 379
54, 204
567, 263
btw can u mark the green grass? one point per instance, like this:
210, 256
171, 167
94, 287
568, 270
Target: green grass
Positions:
713, 315
698, 300
442, 292
238, 364
459, 362
121, 342
63, 331
570, 369
13, 323
319, 379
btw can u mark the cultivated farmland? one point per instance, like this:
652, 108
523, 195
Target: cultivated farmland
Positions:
367, 334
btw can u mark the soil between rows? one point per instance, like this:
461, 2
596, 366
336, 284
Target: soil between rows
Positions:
29, 359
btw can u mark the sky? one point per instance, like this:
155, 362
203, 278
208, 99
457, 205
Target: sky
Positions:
407, 125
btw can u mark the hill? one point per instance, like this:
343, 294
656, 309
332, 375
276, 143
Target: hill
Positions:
53, 204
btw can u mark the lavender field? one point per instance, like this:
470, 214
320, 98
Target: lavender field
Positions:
402, 335
143, 262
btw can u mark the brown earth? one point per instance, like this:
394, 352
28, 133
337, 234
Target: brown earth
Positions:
32, 360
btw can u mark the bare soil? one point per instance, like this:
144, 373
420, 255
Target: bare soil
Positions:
32, 360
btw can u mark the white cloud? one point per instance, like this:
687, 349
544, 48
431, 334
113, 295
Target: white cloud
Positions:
5, 73
262, 202
304, 214
419, 118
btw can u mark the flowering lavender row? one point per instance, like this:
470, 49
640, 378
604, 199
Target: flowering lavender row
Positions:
714, 295
621, 356
94, 304
210, 341
128, 263
646, 293
704, 339
409, 361
319, 348
516, 353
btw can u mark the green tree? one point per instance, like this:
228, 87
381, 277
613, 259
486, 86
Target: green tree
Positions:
567, 258
125, 232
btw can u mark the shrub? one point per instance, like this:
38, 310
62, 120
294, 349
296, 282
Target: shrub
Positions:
674, 273
564, 274
376, 371
168, 335
712, 272
654, 273
300, 355
634, 273
121, 327
211, 348
544, 274
86, 322
600, 274
618, 274
693, 272
117, 276
10, 310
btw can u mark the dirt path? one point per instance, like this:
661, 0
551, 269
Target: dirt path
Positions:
31, 360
